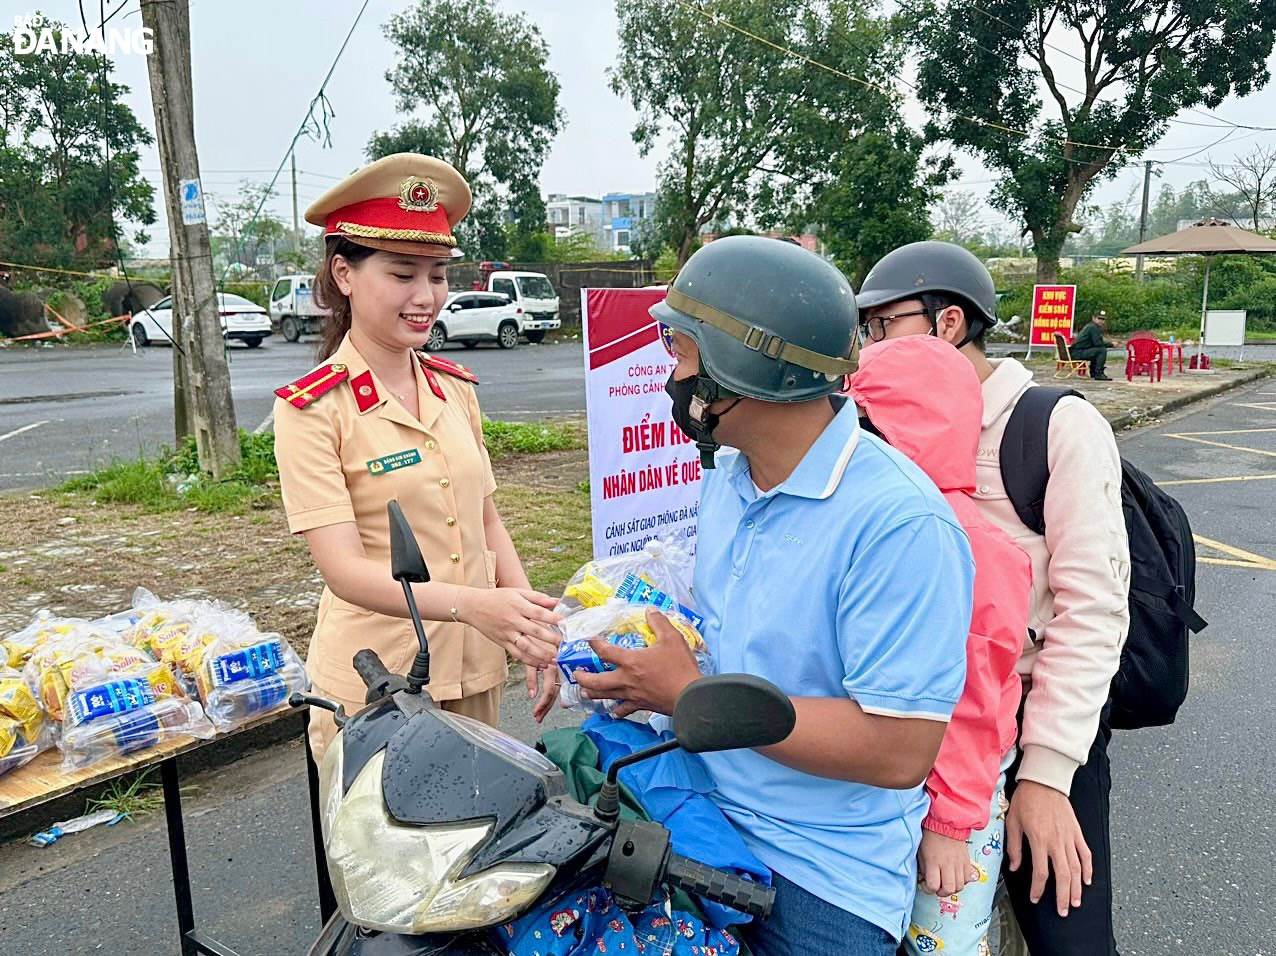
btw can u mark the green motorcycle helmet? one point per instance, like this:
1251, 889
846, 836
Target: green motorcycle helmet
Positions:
773, 321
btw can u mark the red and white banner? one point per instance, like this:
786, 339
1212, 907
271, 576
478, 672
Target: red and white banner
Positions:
1053, 309
644, 474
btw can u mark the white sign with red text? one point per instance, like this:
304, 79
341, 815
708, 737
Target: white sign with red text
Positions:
644, 474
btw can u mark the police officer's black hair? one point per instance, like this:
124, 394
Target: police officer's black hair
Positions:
329, 296
936, 302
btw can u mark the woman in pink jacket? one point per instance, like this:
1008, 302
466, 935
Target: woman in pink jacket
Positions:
923, 398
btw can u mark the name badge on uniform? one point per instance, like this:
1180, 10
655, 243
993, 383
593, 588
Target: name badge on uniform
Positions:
401, 459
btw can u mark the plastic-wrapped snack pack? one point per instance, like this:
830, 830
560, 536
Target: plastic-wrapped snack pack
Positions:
17, 648
247, 673
24, 728
110, 697
608, 599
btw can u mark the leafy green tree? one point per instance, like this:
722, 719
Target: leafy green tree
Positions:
761, 134
241, 232
56, 203
488, 104
1141, 63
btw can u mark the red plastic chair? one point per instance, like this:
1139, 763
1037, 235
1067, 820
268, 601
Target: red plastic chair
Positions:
1142, 356
1140, 335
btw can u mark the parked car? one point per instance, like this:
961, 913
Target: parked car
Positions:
242, 319
293, 310
474, 317
531, 290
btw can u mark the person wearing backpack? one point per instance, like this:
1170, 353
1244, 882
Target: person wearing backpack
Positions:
1057, 845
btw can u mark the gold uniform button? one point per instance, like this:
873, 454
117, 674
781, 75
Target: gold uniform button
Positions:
454, 558
430, 445
451, 522
443, 482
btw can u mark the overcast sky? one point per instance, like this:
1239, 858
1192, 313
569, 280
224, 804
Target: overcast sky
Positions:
258, 63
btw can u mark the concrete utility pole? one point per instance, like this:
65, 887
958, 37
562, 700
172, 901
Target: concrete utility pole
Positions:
202, 401
296, 223
1143, 218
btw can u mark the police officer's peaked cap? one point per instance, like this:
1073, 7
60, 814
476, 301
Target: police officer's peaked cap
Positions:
772, 320
406, 203
931, 266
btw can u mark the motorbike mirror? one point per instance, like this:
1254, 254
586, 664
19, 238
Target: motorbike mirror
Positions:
406, 563
730, 711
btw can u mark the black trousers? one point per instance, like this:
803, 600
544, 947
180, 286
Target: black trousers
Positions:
1097, 358
1086, 931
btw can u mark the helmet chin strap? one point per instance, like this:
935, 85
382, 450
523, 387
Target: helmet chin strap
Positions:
707, 392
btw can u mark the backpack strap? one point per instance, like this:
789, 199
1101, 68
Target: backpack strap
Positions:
1173, 597
1024, 453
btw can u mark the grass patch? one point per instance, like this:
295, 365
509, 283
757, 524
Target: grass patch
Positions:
551, 531
173, 481
136, 798
530, 438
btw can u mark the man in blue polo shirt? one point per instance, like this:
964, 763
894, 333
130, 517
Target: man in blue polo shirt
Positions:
828, 564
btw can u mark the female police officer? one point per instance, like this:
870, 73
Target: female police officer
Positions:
379, 421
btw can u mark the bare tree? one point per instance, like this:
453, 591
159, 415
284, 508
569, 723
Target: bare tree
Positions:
959, 216
1252, 179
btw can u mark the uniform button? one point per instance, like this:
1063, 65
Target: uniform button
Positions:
450, 522
984, 489
750, 523
454, 558
443, 482
430, 445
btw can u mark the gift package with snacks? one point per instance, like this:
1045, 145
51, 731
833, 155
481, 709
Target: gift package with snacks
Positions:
608, 600
125, 682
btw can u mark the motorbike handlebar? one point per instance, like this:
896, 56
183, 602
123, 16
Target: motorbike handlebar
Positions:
720, 886
370, 669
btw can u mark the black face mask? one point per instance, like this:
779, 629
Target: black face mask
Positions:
685, 393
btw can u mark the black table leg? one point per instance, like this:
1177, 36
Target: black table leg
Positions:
327, 900
194, 943
177, 855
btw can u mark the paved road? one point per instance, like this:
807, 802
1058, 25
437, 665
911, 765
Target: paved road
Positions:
67, 410
1193, 834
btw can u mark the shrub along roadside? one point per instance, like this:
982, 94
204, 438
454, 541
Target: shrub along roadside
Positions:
172, 480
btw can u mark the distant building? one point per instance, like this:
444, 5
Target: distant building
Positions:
622, 213
574, 215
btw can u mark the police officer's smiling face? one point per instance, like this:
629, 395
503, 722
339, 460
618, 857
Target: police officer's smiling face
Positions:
394, 299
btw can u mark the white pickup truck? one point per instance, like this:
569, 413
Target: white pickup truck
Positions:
293, 311
533, 292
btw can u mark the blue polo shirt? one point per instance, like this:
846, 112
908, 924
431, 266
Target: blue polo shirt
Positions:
851, 578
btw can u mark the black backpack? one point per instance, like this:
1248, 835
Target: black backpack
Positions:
1151, 682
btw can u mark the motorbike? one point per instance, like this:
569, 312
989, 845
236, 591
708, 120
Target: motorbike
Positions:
437, 827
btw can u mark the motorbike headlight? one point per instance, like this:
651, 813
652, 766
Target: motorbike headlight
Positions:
404, 879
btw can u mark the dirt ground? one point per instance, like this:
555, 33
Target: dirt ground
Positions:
82, 559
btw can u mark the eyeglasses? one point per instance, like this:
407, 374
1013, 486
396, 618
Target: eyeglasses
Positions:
875, 328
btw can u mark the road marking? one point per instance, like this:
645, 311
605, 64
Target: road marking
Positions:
1212, 481
1219, 444
1226, 431
266, 423
19, 431
1239, 558
1261, 406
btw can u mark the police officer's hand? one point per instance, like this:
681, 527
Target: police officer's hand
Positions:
943, 864
648, 678
518, 619
1046, 818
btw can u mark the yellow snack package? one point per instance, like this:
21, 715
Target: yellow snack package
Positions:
18, 703
591, 590
10, 736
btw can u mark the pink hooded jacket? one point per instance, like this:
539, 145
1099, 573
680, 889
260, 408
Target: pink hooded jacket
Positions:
924, 398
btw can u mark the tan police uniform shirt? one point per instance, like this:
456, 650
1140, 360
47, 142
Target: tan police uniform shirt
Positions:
338, 464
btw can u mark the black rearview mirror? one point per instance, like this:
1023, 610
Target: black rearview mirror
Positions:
406, 562
730, 711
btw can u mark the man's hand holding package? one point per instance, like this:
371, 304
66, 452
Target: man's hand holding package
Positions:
649, 678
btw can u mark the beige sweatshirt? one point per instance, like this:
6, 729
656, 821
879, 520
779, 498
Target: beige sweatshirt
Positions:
1081, 575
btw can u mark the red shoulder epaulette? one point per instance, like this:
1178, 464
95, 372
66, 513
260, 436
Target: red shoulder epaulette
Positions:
312, 385
451, 368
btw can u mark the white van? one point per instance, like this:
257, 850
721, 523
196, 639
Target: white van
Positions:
534, 293
293, 311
